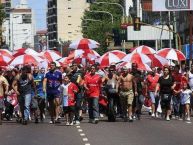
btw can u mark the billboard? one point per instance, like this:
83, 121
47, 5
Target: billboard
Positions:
149, 33
172, 5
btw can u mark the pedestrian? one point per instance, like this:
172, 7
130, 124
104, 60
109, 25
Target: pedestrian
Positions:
68, 91
4, 86
185, 101
126, 84
93, 83
51, 84
23, 85
166, 86
151, 82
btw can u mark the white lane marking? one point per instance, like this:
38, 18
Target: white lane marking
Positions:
82, 134
87, 143
77, 126
85, 139
80, 130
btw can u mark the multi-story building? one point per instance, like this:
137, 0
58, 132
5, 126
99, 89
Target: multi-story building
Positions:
64, 20
20, 29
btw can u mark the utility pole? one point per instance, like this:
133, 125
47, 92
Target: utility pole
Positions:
190, 35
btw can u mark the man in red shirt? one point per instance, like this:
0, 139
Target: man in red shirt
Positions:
151, 83
92, 85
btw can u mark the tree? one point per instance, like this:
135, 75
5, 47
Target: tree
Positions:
2, 17
101, 26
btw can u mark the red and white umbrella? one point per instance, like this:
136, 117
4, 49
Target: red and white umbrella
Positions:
143, 49
65, 60
6, 53
124, 64
93, 55
108, 58
84, 44
76, 54
172, 54
51, 55
119, 53
157, 61
140, 59
25, 59
4, 60
23, 51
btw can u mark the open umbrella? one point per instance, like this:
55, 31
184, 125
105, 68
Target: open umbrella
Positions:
106, 59
157, 61
118, 53
25, 59
22, 51
51, 55
142, 60
6, 53
143, 49
172, 54
4, 60
84, 44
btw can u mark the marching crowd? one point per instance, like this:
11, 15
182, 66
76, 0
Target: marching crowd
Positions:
28, 92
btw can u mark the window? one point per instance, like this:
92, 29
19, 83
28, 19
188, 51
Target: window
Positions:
69, 32
26, 18
69, 16
69, 24
69, 8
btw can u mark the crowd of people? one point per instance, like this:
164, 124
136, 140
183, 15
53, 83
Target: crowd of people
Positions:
29, 92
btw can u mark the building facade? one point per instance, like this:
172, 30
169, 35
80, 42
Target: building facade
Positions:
64, 20
20, 28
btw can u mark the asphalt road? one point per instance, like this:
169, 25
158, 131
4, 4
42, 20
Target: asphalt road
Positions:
147, 131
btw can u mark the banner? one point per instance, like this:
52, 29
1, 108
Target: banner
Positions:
172, 5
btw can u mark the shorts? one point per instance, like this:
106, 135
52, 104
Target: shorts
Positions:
152, 96
68, 109
1, 104
166, 101
128, 96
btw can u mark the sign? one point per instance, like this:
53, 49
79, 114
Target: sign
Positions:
186, 50
172, 5
149, 33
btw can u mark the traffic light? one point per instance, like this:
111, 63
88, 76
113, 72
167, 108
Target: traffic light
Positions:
136, 24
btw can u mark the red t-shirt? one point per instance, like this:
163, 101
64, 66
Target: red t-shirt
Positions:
178, 79
71, 87
152, 82
94, 85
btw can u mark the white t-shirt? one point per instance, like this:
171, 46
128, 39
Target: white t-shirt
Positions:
64, 94
185, 96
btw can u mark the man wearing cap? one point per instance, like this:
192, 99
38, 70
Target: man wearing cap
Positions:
126, 82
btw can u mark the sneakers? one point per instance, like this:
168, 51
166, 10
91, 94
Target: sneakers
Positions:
167, 118
77, 122
80, 118
36, 120
153, 115
71, 124
188, 119
67, 123
51, 122
130, 119
24, 122
95, 121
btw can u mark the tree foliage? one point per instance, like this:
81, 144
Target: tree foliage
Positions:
2, 14
98, 30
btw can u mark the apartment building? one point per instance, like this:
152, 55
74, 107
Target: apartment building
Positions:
64, 20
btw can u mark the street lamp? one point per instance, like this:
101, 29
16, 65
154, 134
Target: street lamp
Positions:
103, 12
117, 4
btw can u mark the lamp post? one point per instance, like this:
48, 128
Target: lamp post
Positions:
105, 12
123, 10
